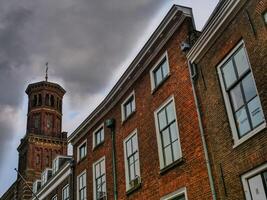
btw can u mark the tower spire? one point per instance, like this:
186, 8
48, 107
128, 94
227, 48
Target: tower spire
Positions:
46, 71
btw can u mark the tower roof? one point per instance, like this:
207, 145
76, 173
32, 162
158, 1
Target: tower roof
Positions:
45, 85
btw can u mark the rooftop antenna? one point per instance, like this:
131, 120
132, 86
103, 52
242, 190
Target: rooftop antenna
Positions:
46, 71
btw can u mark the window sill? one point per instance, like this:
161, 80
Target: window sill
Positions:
155, 89
249, 135
180, 161
98, 145
133, 189
81, 160
127, 118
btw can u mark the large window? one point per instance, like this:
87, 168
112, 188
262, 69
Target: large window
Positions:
98, 136
54, 197
81, 186
132, 167
240, 93
255, 183
167, 134
128, 106
99, 179
82, 150
160, 71
66, 193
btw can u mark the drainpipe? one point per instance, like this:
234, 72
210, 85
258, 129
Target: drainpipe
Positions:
72, 178
110, 123
212, 187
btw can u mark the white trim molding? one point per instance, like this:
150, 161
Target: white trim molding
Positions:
248, 175
179, 192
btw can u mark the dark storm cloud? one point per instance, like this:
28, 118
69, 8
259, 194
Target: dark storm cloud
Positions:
85, 41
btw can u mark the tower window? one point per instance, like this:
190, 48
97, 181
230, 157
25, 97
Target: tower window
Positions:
39, 99
52, 101
49, 123
47, 99
37, 121
34, 103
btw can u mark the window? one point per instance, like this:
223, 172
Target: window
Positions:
54, 197
49, 121
265, 17
255, 183
66, 193
81, 183
128, 107
82, 151
131, 157
167, 134
37, 121
99, 179
98, 136
177, 195
160, 71
55, 165
240, 94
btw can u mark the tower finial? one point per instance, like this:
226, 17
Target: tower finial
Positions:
46, 71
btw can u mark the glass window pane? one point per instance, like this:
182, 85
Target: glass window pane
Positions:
249, 87
166, 137
164, 66
137, 168
158, 76
97, 172
174, 134
241, 61
255, 111
175, 148
168, 155
134, 142
182, 197
162, 119
229, 73
236, 96
265, 177
131, 160
102, 167
170, 112
131, 172
242, 121
129, 148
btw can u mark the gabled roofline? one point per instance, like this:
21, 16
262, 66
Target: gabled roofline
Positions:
223, 13
178, 13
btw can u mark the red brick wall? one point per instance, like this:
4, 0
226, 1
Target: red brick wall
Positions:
192, 172
253, 152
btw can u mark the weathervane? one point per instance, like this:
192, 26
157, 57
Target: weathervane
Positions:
46, 71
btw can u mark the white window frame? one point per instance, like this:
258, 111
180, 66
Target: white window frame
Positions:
152, 78
181, 191
78, 150
78, 186
237, 140
54, 197
250, 174
63, 192
160, 150
127, 181
94, 183
123, 117
94, 133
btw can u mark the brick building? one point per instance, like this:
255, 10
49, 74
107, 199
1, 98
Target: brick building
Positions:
230, 59
143, 140
43, 140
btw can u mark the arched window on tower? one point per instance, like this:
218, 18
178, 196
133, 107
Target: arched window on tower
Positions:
34, 102
37, 121
47, 99
52, 100
60, 105
39, 99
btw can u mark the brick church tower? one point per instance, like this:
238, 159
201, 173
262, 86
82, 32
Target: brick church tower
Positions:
44, 139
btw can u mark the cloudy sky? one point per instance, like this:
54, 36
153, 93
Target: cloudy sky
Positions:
88, 45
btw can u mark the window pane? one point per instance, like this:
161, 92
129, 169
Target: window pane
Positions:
102, 167
131, 172
255, 111
129, 148
162, 119
241, 61
158, 76
168, 155
170, 112
182, 197
242, 121
164, 66
265, 177
236, 97
229, 73
134, 142
175, 148
249, 87
97, 172
137, 168
166, 137
173, 130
